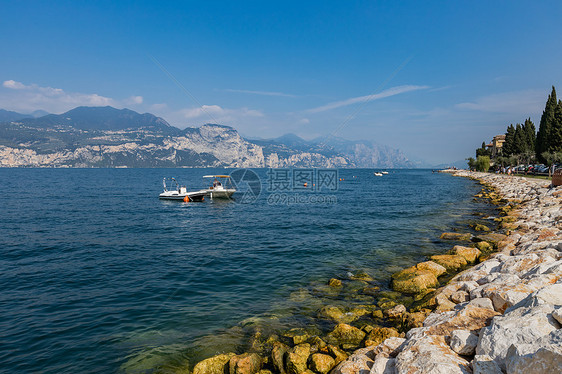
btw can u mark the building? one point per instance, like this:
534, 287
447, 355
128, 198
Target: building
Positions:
496, 145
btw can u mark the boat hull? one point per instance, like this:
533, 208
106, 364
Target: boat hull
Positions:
174, 195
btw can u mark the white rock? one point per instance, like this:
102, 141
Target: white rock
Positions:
557, 314
483, 364
543, 356
430, 354
383, 365
464, 342
482, 302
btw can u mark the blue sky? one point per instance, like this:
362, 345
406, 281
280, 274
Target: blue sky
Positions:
433, 79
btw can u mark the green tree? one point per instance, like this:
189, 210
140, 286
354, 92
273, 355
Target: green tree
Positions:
471, 163
530, 135
482, 163
482, 151
555, 140
507, 148
519, 143
545, 126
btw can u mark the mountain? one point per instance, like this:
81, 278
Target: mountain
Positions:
109, 137
100, 118
7, 115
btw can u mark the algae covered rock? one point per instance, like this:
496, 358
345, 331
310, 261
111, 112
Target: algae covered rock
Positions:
214, 365
321, 363
334, 282
278, 356
246, 363
480, 227
492, 237
345, 334
297, 358
395, 312
470, 254
484, 246
455, 236
337, 353
450, 262
414, 282
379, 334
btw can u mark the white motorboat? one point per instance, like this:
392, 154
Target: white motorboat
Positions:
378, 174
180, 193
384, 172
221, 188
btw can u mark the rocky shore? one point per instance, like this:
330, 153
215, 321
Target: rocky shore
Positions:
503, 315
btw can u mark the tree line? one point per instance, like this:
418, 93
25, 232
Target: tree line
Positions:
524, 145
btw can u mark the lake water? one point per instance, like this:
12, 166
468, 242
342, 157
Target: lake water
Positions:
99, 275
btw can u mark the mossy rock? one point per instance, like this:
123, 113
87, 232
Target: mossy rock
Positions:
493, 238
334, 282
321, 363
470, 254
214, 365
345, 334
416, 282
296, 359
450, 262
246, 363
455, 236
484, 246
379, 335
480, 227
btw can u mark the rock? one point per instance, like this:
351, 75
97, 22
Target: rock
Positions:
543, 356
383, 365
296, 359
430, 354
371, 290
450, 262
522, 325
470, 254
389, 347
335, 282
278, 356
360, 362
344, 333
214, 365
482, 302
484, 246
468, 318
557, 315
395, 312
464, 342
455, 236
415, 282
414, 319
331, 312
378, 314
431, 266
480, 227
460, 297
337, 353
492, 237
321, 363
379, 334
483, 364
246, 363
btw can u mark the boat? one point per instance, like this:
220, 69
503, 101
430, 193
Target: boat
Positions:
180, 193
384, 172
221, 188
378, 174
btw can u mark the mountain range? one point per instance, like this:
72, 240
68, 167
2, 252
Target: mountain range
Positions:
110, 137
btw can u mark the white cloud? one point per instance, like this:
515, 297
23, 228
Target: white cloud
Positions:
263, 93
517, 102
27, 98
304, 121
361, 99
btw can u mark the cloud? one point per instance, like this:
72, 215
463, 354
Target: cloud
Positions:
27, 98
517, 102
363, 99
263, 93
212, 113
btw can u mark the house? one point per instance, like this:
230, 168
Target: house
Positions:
496, 145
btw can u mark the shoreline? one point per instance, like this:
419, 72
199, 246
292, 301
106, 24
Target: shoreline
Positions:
387, 345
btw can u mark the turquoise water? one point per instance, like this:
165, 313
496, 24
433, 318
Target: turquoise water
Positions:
99, 275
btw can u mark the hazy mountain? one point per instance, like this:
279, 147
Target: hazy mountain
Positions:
109, 137
7, 115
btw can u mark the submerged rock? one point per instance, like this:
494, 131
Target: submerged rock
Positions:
450, 262
455, 236
345, 334
414, 282
335, 282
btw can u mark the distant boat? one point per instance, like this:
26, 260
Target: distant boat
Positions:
180, 192
384, 172
222, 187
377, 174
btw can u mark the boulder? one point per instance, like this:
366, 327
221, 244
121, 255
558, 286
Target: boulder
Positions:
431, 266
464, 342
278, 356
484, 246
246, 363
482, 302
460, 297
296, 359
415, 282
360, 362
334, 282
345, 334
483, 364
379, 334
468, 318
321, 363
480, 227
214, 365
450, 262
383, 365
470, 254
542, 356
395, 312
337, 353
493, 238
430, 354
455, 236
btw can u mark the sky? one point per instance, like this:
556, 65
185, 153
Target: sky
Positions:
433, 79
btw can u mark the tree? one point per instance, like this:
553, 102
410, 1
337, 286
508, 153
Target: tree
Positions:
555, 140
482, 163
530, 134
547, 123
482, 151
507, 148
519, 143
471, 163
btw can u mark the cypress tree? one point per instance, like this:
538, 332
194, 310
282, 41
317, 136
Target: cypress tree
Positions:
556, 130
519, 143
546, 124
507, 148
530, 135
